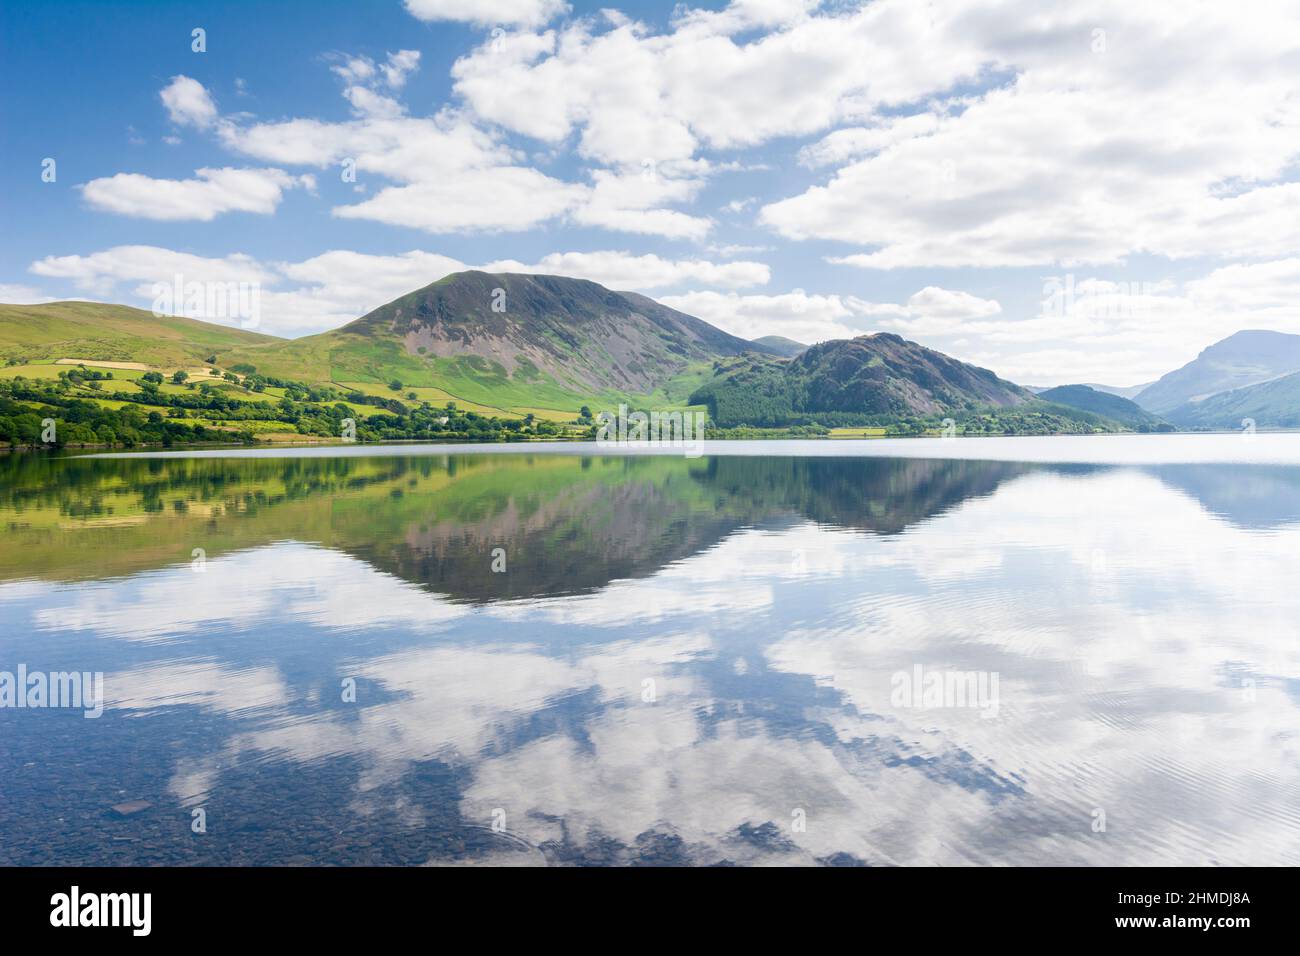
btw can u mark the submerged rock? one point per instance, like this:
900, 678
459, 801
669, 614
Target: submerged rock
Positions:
131, 807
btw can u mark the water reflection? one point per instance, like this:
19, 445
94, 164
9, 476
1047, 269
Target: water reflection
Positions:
683, 661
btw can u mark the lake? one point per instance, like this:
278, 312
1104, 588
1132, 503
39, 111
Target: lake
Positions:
983, 651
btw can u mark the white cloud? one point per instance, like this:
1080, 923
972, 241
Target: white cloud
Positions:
400, 65
213, 192
933, 302
502, 198
1267, 293
815, 318
856, 141
188, 102
404, 149
12, 294
100, 272
633, 201
525, 13
365, 78
355, 69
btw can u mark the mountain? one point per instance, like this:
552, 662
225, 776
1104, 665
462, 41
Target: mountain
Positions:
1271, 404
1246, 358
510, 340
1089, 399
869, 377
112, 333
887, 374
780, 345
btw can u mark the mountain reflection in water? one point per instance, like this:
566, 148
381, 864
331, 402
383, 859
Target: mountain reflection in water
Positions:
682, 661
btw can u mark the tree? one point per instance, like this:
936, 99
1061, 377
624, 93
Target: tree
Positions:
179, 376
395, 385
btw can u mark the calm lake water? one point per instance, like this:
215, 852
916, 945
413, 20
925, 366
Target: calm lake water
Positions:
1072, 653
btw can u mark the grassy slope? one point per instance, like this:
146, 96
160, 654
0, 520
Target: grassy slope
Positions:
118, 333
1274, 404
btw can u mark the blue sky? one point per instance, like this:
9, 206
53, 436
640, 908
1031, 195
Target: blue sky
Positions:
938, 169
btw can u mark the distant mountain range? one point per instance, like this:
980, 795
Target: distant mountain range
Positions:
522, 343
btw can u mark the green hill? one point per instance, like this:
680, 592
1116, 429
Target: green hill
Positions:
780, 345
112, 333
1102, 403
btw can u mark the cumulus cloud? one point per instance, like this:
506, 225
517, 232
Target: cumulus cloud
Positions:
709, 82
449, 174
857, 141
211, 193
188, 102
634, 201
497, 199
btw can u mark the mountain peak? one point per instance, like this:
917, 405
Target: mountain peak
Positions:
552, 332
